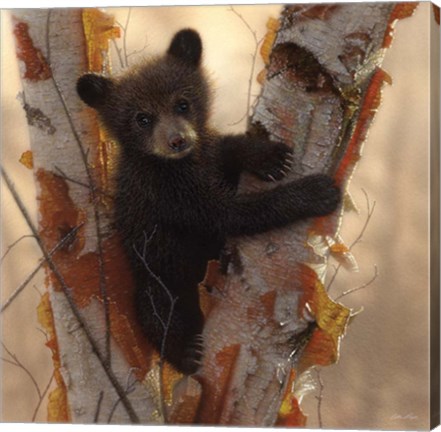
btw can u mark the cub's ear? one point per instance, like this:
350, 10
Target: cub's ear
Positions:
94, 89
187, 46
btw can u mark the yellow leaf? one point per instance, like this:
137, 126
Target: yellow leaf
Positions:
331, 319
27, 159
57, 409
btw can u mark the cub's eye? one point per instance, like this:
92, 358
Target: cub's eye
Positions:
144, 120
182, 106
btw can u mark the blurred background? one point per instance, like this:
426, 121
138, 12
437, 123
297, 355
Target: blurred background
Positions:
381, 379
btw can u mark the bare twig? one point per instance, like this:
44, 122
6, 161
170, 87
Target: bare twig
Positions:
43, 395
352, 290
319, 397
139, 51
16, 362
68, 294
98, 407
130, 387
11, 246
24, 284
164, 324
72, 180
257, 42
119, 53
129, 13
123, 53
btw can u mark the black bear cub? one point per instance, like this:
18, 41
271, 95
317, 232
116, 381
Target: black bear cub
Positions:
176, 197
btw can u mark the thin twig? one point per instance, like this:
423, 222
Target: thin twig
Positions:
118, 52
16, 362
130, 387
320, 398
352, 290
98, 407
68, 294
11, 246
43, 394
139, 51
79, 183
164, 324
24, 284
129, 13
257, 42
124, 61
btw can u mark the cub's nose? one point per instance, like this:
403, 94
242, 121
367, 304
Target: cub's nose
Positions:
177, 143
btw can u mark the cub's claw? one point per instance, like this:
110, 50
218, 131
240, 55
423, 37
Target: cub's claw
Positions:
192, 355
270, 177
273, 162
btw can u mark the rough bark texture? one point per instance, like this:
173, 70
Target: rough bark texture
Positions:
269, 318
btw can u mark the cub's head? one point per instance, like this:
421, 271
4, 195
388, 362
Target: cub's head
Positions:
160, 107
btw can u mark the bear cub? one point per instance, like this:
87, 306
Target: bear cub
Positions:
176, 197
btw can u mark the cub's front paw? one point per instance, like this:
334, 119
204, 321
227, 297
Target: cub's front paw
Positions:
273, 162
320, 194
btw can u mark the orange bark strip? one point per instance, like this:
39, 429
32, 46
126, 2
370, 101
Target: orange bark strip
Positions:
59, 215
99, 28
36, 66
309, 280
290, 414
370, 104
321, 12
321, 350
27, 159
58, 410
214, 397
400, 11
213, 279
268, 301
339, 248
436, 12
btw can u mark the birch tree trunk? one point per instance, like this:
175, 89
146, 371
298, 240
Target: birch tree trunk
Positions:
95, 379
269, 317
